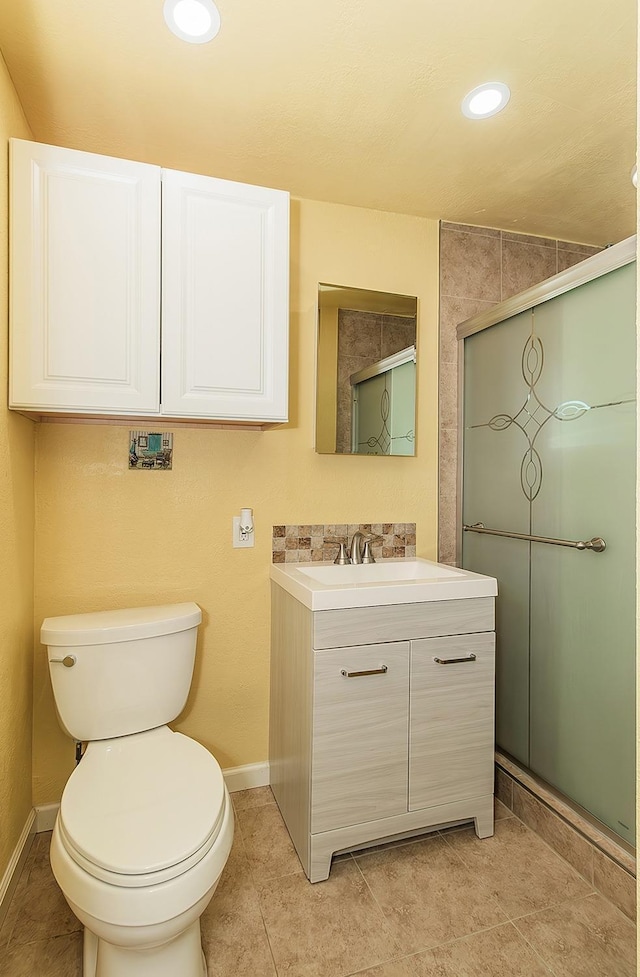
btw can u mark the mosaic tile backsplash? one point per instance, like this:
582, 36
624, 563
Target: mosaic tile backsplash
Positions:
318, 543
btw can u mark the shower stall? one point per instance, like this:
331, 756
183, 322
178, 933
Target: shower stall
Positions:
548, 507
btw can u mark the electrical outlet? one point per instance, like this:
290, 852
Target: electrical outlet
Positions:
238, 541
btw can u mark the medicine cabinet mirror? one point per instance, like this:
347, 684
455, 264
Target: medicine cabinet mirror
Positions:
366, 372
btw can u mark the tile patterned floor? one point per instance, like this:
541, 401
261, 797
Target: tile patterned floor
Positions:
446, 905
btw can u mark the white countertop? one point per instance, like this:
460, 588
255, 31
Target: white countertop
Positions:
326, 586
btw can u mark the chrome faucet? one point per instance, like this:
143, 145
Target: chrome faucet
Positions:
360, 551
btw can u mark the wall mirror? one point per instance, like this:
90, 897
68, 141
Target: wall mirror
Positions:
366, 372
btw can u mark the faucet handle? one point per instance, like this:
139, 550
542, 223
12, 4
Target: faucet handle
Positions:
343, 556
367, 555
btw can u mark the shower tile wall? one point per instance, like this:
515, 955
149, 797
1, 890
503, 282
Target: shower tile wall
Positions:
479, 267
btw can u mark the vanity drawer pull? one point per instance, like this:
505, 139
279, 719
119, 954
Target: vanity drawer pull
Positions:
454, 661
369, 671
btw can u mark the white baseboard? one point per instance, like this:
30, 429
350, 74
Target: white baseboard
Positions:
250, 775
46, 816
10, 878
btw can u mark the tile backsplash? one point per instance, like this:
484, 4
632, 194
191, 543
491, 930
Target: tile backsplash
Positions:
318, 543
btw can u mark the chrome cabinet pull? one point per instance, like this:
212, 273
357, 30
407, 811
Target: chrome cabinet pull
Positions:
369, 671
68, 661
454, 661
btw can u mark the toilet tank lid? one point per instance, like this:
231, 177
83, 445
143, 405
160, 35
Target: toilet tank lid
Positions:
127, 624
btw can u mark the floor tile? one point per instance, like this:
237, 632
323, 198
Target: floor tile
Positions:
328, 929
615, 884
60, 957
585, 938
427, 894
500, 812
234, 939
253, 797
39, 912
521, 871
397, 968
498, 952
267, 843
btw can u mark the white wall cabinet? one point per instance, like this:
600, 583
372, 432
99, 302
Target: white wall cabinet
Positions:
374, 740
145, 292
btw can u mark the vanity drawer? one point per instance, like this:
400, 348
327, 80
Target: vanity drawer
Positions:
401, 622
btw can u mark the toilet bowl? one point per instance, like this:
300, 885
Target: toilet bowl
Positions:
145, 825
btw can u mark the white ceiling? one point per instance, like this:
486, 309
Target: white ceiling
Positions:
355, 101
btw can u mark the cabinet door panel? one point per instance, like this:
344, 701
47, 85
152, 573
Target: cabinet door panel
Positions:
85, 281
360, 730
225, 298
451, 726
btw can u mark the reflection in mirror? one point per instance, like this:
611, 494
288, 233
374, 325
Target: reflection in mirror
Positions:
366, 372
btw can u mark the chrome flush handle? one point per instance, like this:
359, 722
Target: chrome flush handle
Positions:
68, 661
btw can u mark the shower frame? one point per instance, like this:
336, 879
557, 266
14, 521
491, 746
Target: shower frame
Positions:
608, 260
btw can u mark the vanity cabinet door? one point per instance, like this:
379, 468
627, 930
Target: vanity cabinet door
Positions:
85, 281
360, 729
451, 730
225, 294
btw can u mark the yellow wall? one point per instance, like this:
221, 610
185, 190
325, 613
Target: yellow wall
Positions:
110, 537
16, 545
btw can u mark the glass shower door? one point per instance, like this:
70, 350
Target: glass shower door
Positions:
549, 450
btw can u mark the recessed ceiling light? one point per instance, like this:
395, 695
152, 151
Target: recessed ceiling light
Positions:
485, 100
196, 21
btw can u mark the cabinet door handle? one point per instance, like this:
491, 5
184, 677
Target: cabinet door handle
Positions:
454, 661
369, 671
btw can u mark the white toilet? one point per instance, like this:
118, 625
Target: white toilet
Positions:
145, 824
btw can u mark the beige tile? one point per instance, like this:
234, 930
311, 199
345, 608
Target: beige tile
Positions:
267, 843
233, 935
584, 938
496, 952
500, 812
524, 265
518, 868
329, 929
552, 829
397, 968
471, 229
567, 259
38, 912
542, 242
61, 957
586, 250
427, 894
454, 310
448, 401
469, 265
504, 788
614, 883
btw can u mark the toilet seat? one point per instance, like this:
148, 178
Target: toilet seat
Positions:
142, 809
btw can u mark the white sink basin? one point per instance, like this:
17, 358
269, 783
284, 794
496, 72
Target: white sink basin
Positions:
325, 586
387, 572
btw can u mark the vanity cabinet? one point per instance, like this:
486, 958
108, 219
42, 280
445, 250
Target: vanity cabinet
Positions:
373, 738
143, 292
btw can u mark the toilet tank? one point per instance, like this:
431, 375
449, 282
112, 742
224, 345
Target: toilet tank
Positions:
120, 672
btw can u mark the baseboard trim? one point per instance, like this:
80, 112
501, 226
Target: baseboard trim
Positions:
46, 815
250, 775
10, 878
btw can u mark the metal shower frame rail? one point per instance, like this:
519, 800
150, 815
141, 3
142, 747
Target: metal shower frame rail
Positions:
596, 545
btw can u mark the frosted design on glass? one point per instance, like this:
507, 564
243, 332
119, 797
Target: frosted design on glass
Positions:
550, 447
